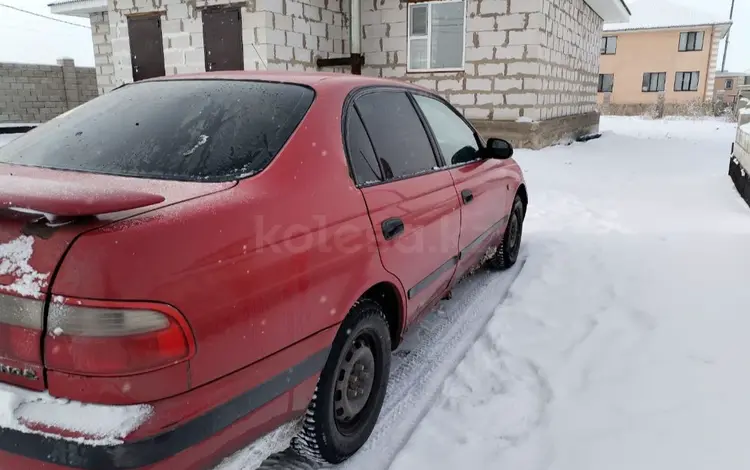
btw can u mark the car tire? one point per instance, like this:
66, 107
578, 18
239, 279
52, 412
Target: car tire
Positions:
351, 388
506, 254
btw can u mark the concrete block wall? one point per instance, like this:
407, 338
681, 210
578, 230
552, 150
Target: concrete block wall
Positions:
102, 39
302, 30
37, 93
515, 66
182, 34
569, 58
277, 34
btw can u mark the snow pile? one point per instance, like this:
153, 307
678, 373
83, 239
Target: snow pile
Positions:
97, 424
664, 14
622, 343
14, 262
6, 138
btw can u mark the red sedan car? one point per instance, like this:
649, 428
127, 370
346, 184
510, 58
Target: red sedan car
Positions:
235, 250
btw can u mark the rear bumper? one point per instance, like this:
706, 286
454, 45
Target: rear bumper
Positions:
191, 441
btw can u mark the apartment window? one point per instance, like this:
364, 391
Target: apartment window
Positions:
606, 82
728, 84
692, 41
436, 36
686, 81
609, 45
654, 81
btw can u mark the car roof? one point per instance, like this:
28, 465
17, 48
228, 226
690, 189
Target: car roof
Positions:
311, 79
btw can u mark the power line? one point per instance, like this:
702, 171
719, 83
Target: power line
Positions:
44, 16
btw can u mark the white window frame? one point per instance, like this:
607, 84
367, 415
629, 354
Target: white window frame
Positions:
409, 37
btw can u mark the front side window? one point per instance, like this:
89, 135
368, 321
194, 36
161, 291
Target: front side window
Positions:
606, 82
436, 35
397, 134
185, 130
686, 81
728, 84
456, 139
609, 45
692, 41
654, 81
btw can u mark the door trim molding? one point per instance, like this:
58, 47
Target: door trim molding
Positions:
453, 261
432, 277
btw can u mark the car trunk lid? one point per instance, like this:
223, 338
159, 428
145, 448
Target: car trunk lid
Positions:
42, 212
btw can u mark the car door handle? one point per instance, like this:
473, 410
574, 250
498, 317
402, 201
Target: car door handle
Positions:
467, 196
392, 228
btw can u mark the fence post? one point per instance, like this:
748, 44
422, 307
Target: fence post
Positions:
70, 82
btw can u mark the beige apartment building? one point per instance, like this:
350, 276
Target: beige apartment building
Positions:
727, 85
665, 51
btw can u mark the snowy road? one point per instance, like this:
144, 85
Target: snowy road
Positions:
622, 343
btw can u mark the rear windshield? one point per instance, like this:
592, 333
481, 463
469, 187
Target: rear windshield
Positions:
197, 130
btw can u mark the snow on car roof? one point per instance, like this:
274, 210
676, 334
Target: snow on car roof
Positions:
653, 14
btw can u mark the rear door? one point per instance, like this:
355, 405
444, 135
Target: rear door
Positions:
146, 47
483, 185
222, 39
413, 205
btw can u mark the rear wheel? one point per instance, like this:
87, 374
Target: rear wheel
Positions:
507, 253
351, 388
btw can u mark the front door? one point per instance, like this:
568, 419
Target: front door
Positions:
146, 47
412, 203
222, 39
483, 185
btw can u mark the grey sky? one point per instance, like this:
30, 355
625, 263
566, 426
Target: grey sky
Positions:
25, 38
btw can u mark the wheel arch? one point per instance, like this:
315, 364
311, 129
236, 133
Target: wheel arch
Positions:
388, 296
524, 195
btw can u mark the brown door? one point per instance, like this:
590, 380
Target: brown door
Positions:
222, 39
146, 47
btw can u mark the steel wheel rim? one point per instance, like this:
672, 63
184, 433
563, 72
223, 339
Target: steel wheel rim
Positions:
514, 235
354, 386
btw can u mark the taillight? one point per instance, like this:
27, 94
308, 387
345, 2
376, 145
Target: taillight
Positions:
108, 338
21, 328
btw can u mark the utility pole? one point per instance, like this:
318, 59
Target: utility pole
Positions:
726, 44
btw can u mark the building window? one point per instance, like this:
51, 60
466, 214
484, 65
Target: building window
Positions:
686, 81
606, 82
654, 81
436, 36
609, 45
728, 84
692, 41
747, 80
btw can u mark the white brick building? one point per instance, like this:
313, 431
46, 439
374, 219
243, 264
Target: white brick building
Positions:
523, 69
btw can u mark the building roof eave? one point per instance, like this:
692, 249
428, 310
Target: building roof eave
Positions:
80, 8
611, 11
722, 28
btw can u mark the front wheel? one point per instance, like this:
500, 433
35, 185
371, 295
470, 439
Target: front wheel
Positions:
507, 253
351, 388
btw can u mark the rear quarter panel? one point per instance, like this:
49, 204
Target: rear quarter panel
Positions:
255, 268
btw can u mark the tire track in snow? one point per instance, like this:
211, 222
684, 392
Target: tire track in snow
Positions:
429, 353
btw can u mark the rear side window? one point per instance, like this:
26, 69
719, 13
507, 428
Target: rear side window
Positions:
195, 130
400, 140
362, 156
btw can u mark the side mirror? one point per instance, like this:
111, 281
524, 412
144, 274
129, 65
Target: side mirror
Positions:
498, 148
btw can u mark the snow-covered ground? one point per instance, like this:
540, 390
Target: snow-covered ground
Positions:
623, 342
5, 138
